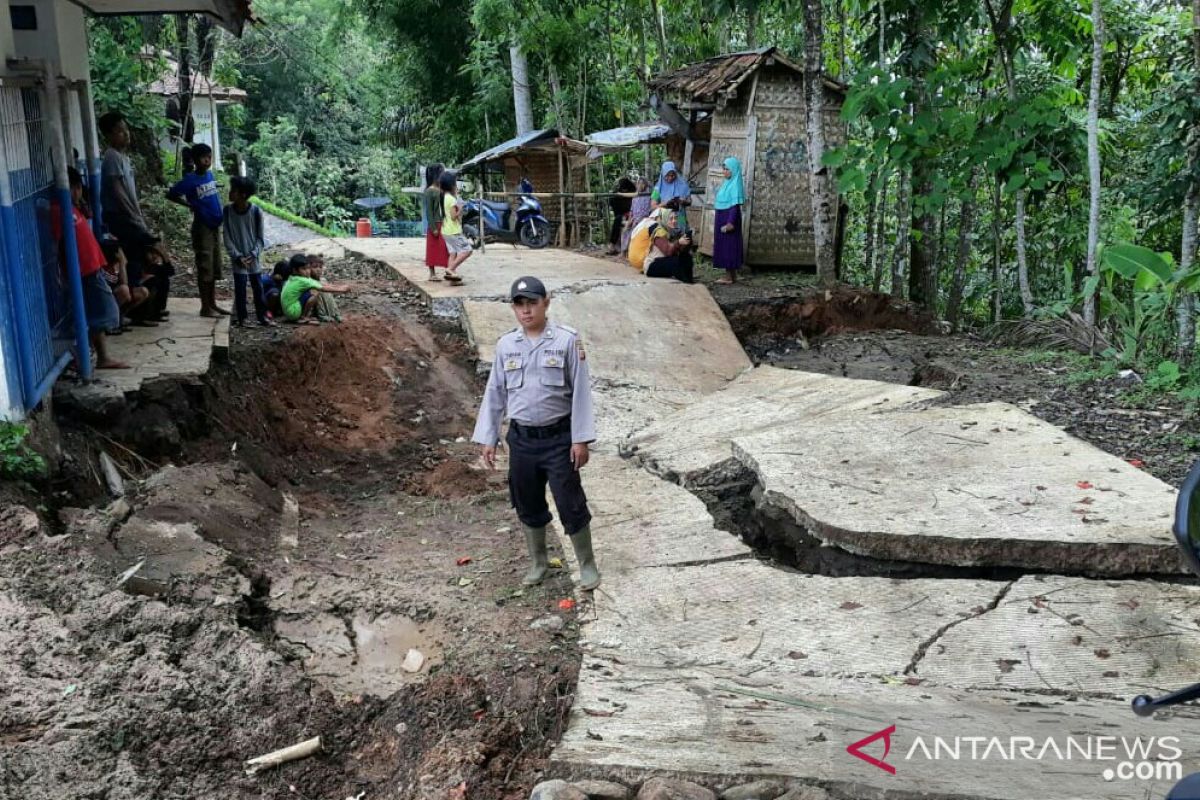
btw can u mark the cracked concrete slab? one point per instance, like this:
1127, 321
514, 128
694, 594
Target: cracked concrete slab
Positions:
182, 347
699, 722
985, 484
764, 400
658, 335
643, 520
747, 616
489, 275
1076, 635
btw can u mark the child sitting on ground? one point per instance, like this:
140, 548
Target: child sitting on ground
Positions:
116, 273
303, 293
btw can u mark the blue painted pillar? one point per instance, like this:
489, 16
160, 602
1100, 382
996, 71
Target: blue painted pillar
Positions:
87, 114
53, 93
16, 284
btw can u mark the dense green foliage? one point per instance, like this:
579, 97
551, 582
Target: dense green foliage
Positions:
959, 113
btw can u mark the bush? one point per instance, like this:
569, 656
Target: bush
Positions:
18, 461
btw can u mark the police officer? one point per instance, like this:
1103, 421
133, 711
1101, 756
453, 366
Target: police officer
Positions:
540, 379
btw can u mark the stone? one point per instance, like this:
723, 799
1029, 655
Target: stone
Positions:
805, 793
556, 790
603, 790
551, 623
99, 402
759, 790
665, 789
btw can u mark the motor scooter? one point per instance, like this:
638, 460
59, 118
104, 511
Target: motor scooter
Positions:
1187, 537
501, 222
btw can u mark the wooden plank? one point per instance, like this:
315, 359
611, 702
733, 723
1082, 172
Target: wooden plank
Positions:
748, 182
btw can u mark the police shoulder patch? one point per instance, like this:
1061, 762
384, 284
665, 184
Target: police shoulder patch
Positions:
579, 348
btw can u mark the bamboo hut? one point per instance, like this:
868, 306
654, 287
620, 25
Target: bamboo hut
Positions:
753, 106
554, 164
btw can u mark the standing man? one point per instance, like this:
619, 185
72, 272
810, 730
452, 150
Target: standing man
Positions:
540, 379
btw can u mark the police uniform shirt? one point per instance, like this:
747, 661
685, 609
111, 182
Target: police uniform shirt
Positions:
538, 382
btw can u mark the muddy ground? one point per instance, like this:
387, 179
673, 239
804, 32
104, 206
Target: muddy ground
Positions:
330, 524
857, 334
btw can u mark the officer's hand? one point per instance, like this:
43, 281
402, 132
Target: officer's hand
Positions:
579, 455
489, 456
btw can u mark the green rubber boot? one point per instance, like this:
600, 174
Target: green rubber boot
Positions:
589, 576
535, 538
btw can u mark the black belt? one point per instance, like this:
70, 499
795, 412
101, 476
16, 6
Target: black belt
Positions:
541, 431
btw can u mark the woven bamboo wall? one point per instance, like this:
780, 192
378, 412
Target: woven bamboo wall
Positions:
781, 230
770, 139
542, 170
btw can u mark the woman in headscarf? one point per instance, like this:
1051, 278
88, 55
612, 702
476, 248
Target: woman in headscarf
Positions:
727, 238
672, 192
620, 203
432, 215
639, 209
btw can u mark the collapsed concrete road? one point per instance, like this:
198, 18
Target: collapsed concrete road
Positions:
703, 660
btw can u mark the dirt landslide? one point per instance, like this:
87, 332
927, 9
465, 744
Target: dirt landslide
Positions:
328, 562
859, 334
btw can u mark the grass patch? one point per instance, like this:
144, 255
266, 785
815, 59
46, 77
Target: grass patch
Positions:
288, 216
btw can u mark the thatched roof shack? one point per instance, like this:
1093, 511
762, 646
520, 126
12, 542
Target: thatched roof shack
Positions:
553, 164
755, 103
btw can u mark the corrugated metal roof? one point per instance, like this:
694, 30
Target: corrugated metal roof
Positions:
706, 79
534, 140
629, 136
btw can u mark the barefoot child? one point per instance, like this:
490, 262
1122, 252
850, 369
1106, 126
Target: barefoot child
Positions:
100, 307
198, 191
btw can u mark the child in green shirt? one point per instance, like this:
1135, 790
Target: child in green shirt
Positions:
302, 294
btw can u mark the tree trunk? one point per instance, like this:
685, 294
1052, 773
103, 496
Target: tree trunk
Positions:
966, 222
660, 28
556, 100
1185, 305
841, 15
921, 288
820, 183
186, 127
751, 24
869, 230
522, 101
1022, 260
997, 270
1093, 153
903, 232
881, 238
1002, 30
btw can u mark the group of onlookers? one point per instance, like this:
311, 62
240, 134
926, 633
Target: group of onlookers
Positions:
126, 272
441, 214
651, 228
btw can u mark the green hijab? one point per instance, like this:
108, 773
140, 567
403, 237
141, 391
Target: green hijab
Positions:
731, 192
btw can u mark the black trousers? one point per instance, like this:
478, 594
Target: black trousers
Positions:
678, 267
614, 234
533, 463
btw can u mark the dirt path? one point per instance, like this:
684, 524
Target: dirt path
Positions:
330, 524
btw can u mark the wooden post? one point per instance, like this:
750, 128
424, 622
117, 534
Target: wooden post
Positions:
748, 183
479, 223
562, 202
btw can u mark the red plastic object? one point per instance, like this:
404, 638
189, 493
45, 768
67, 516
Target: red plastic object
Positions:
363, 228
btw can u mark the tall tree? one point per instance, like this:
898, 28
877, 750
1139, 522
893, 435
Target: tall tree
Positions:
1185, 304
1001, 18
819, 180
522, 99
1093, 158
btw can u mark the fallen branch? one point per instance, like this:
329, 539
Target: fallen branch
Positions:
274, 759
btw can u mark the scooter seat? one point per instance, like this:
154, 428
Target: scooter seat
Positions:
495, 205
